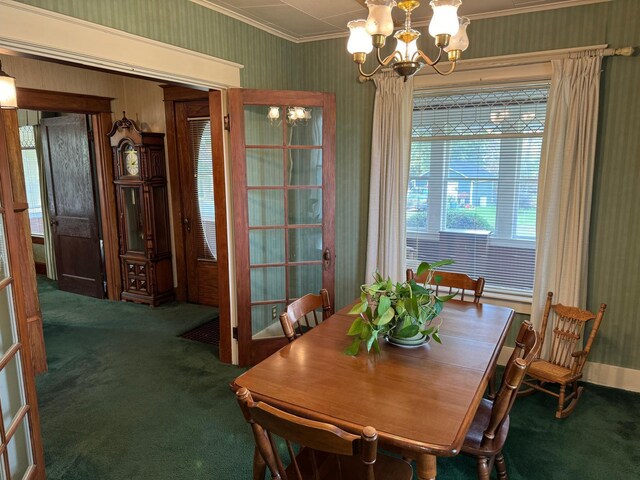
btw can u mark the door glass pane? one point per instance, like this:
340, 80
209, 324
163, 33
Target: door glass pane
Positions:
304, 125
304, 167
304, 279
305, 206
19, 451
267, 284
264, 167
4, 260
305, 244
266, 207
263, 325
266, 246
11, 391
259, 128
133, 219
7, 321
202, 158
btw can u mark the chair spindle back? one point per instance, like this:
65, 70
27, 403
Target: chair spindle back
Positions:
301, 315
267, 422
447, 283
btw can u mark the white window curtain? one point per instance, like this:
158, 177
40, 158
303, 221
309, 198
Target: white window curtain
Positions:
390, 156
49, 252
566, 182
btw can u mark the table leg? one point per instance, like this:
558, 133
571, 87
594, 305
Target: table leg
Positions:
259, 466
426, 466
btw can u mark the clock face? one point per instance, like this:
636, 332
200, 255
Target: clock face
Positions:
131, 161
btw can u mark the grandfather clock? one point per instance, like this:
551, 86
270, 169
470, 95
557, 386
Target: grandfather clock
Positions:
143, 213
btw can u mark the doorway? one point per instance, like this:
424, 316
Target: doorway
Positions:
73, 207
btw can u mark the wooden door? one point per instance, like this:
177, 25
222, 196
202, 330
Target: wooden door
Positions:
72, 204
283, 149
195, 150
20, 434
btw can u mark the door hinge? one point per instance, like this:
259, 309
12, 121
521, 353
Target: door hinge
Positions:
227, 123
234, 331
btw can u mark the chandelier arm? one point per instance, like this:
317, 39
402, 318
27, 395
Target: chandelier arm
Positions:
449, 72
387, 60
425, 58
369, 75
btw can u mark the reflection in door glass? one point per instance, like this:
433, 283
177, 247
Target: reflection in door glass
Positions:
304, 279
202, 154
304, 126
305, 206
304, 167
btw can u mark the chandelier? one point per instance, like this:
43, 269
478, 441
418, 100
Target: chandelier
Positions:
449, 32
295, 116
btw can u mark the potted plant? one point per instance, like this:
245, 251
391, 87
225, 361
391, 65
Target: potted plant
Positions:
404, 313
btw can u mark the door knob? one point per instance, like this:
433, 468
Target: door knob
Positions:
53, 223
326, 256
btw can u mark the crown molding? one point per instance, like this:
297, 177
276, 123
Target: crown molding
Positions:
64, 38
329, 36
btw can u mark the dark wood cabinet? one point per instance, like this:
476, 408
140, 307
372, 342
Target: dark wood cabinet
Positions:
143, 213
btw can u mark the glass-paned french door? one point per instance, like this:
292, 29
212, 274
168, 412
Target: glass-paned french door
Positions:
16, 453
283, 180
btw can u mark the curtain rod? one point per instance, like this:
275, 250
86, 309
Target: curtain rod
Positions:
530, 58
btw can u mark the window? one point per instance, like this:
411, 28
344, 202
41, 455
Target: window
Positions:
32, 178
473, 179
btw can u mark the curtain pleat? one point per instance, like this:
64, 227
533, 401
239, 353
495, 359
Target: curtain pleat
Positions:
390, 157
566, 183
50, 257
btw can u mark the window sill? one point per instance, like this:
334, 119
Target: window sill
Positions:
37, 239
521, 303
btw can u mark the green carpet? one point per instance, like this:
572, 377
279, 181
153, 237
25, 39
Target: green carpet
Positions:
125, 398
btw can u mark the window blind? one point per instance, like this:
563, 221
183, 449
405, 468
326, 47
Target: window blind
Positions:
472, 191
202, 157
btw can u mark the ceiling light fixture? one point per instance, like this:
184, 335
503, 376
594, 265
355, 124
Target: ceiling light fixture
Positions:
8, 95
449, 31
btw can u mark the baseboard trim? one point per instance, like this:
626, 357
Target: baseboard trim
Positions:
598, 373
41, 268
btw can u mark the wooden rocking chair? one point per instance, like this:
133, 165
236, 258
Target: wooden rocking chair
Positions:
565, 364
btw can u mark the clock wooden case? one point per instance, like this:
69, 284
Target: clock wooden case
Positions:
143, 213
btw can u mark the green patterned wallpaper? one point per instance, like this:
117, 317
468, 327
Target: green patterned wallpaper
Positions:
271, 62
614, 249
266, 58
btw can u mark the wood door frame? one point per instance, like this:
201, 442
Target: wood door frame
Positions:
237, 98
99, 110
173, 95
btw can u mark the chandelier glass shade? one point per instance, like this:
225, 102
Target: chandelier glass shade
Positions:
448, 30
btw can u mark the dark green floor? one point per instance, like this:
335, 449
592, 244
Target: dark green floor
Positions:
125, 398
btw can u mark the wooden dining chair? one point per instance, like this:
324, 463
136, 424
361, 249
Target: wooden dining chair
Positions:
565, 362
450, 282
488, 433
302, 315
323, 450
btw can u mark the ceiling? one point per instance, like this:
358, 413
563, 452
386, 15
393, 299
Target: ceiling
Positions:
307, 20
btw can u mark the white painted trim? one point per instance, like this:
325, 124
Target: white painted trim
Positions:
328, 36
36, 31
598, 373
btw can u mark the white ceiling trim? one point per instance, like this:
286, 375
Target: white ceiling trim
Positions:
247, 20
60, 37
313, 38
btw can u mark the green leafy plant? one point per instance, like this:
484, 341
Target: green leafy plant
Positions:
402, 310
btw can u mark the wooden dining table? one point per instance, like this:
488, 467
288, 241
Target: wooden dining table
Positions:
421, 400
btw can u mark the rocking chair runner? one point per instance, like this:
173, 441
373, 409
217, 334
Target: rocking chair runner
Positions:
565, 364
